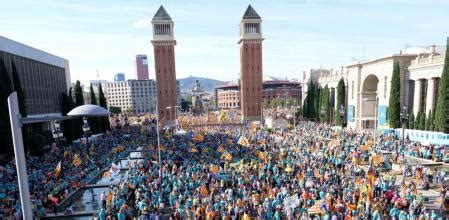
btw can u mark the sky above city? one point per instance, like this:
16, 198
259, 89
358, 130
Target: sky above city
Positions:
104, 36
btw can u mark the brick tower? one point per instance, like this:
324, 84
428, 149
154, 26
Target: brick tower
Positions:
164, 62
251, 65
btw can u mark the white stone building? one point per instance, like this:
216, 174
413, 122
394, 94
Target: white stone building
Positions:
368, 81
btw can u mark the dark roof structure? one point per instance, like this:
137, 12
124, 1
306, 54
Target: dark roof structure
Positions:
250, 13
161, 15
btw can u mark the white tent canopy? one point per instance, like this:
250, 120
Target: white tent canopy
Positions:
89, 111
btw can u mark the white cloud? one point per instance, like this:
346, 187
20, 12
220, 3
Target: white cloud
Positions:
142, 23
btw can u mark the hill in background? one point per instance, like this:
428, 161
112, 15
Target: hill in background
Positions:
209, 85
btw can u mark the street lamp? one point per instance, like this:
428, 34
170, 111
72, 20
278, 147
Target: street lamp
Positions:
323, 111
295, 108
86, 129
57, 132
404, 119
342, 115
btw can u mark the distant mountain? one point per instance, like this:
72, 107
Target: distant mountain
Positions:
208, 84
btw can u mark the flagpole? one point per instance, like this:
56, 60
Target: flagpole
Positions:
158, 142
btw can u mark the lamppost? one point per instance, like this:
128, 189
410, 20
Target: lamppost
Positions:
176, 115
404, 119
323, 111
86, 129
342, 115
295, 108
57, 132
125, 120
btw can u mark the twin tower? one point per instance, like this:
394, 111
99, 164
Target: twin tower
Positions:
250, 66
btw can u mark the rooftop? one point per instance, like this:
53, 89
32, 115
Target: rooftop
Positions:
250, 13
161, 15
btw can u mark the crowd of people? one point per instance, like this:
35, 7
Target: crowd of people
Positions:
234, 172
49, 188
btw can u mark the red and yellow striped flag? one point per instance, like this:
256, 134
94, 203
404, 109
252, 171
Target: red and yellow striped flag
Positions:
198, 137
263, 142
58, 169
227, 156
230, 141
76, 161
204, 192
214, 168
220, 149
377, 160
317, 174
243, 141
262, 155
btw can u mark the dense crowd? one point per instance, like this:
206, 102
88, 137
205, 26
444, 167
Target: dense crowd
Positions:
209, 173
47, 189
276, 174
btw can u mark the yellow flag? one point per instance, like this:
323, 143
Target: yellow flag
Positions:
58, 169
243, 141
214, 168
76, 161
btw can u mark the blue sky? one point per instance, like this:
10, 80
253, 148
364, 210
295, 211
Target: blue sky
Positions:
299, 34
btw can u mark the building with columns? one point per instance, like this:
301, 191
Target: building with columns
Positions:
425, 74
164, 62
368, 84
251, 65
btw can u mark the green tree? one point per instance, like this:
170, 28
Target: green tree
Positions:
394, 106
341, 93
411, 121
93, 121
79, 99
67, 125
429, 121
18, 88
442, 110
116, 110
325, 104
417, 121
5, 127
104, 121
422, 121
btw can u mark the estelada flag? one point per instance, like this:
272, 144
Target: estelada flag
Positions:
220, 149
262, 155
377, 159
253, 127
204, 192
214, 168
227, 156
243, 141
263, 142
193, 150
230, 141
198, 137
58, 169
76, 161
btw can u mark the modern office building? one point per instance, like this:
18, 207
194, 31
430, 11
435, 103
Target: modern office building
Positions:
142, 67
44, 77
165, 68
119, 77
228, 96
137, 96
368, 81
251, 65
